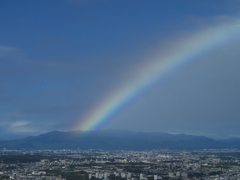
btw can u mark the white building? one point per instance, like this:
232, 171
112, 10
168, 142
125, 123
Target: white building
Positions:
178, 174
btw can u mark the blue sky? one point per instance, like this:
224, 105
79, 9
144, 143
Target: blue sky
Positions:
61, 58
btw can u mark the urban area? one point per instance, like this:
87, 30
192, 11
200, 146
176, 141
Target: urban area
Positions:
120, 165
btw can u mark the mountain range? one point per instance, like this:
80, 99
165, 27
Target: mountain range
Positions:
118, 140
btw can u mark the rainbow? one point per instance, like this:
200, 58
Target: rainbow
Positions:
184, 51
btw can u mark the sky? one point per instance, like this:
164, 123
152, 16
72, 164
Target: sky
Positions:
152, 66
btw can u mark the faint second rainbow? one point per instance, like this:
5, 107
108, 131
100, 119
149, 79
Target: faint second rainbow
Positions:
186, 50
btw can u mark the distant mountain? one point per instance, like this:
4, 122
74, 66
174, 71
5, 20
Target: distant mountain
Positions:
117, 140
231, 140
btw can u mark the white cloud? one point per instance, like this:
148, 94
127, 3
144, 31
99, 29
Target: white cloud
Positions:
14, 124
9, 51
20, 123
21, 126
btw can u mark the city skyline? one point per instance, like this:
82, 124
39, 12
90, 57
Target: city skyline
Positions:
150, 66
